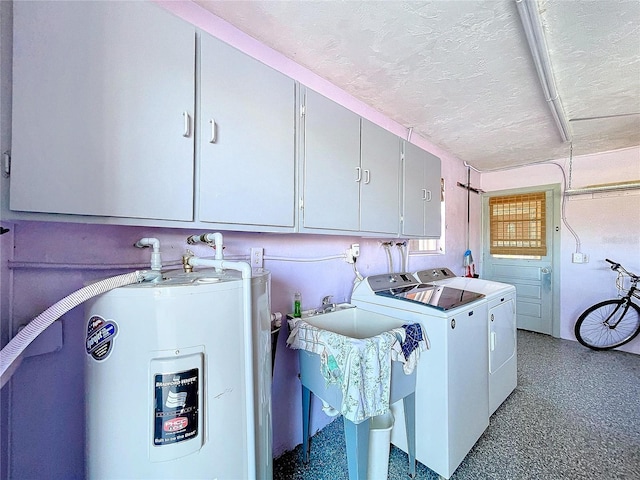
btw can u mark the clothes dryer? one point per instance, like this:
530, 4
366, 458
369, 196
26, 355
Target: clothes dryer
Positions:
452, 383
502, 333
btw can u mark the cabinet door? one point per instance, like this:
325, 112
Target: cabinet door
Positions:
421, 195
331, 165
247, 139
413, 192
432, 205
103, 101
380, 184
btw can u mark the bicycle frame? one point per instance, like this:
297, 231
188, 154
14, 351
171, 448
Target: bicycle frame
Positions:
625, 305
632, 292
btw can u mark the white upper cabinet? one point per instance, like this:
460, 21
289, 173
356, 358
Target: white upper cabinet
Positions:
332, 171
351, 171
421, 193
104, 98
246, 138
103, 103
380, 183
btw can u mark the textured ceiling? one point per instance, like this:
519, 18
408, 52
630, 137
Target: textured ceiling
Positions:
461, 72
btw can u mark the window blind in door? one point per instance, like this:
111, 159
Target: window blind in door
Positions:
518, 224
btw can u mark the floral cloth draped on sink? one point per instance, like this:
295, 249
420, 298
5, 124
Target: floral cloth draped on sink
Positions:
362, 367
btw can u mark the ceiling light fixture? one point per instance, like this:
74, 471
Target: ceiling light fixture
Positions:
528, 10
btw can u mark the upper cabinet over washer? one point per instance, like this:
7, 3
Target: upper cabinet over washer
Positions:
247, 139
421, 204
351, 170
103, 103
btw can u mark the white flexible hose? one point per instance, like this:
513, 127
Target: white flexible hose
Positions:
403, 255
387, 248
35, 327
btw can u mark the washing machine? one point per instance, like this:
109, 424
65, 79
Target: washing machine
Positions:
452, 392
502, 337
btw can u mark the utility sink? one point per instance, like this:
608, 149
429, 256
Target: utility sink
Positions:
350, 321
335, 307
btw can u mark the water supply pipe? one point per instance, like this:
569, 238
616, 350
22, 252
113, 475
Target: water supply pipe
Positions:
191, 261
402, 246
156, 260
12, 351
387, 247
209, 238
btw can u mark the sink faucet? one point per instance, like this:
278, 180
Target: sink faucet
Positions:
327, 305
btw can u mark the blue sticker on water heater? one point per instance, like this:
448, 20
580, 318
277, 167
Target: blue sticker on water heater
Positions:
101, 335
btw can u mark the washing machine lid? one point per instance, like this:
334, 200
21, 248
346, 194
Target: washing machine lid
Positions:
436, 296
444, 276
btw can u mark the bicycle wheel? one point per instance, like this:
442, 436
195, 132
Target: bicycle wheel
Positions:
593, 328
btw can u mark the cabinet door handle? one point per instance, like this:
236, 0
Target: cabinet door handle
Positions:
424, 194
359, 171
428, 196
367, 177
214, 131
187, 124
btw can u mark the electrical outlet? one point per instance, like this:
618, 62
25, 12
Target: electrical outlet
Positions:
257, 257
352, 253
579, 257
347, 256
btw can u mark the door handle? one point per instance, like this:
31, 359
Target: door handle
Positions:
367, 177
359, 177
546, 278
187, 124
214, 131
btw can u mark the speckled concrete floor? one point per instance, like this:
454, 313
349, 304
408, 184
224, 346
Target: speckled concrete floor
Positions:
574, 415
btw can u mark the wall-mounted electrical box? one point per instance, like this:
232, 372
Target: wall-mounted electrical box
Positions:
579, 257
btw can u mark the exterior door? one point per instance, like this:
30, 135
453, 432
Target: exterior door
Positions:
535, 277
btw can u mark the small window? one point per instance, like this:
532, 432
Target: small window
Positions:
518, 225
431, 245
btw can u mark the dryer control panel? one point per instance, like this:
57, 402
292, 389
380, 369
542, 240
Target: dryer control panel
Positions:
433, 274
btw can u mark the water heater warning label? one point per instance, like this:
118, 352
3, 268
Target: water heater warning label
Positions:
100, 337
175, 407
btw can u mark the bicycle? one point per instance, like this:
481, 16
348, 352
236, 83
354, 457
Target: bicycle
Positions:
614, 322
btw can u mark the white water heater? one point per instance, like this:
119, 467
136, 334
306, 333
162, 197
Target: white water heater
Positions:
167, 391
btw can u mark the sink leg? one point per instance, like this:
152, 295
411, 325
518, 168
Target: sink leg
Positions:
409, 403
306, 415
357, 440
